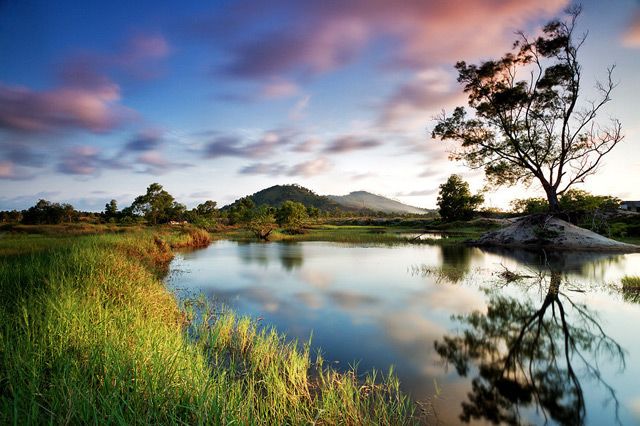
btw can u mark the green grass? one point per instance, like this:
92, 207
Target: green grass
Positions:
384, 235
90, 334
631, 282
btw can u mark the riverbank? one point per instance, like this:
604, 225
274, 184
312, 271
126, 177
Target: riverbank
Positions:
90, 334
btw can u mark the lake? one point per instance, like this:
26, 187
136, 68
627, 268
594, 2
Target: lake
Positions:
505, 335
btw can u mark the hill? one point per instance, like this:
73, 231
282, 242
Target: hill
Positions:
360, 200
278, 194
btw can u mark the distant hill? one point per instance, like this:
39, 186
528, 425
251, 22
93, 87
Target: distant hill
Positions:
360, 200
278, 194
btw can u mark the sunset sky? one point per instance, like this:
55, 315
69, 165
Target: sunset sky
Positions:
219, 99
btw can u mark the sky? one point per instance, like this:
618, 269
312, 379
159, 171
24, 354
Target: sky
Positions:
220, 99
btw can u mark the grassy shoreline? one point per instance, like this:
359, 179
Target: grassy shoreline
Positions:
90, 334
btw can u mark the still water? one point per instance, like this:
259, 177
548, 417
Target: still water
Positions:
559, 344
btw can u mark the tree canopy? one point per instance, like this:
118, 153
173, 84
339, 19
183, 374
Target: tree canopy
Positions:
157, 205
455, 201
291, 214
534, 128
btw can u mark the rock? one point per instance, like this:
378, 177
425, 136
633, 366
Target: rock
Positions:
545, 231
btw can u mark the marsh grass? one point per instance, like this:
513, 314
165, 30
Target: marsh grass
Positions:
90, 334
631, 282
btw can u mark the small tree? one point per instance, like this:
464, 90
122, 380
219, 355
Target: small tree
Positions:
291, 215
261, 222
110, 210
455, 201
533, 128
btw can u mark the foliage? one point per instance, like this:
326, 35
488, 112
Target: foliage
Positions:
203, 215
455, 201
533, 205
240, 210
110, 210
46, 212
8, 216
157, 205
291, 215
532, 128
261, 221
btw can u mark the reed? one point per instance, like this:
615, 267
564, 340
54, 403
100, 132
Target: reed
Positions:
90, 334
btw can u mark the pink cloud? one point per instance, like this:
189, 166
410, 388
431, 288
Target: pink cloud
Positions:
417, 100
631, 37
323, 36
310, 168
6, 169
96, 110
153, 158
279, 88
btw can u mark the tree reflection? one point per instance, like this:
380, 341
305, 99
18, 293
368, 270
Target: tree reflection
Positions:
290, 256
529, 357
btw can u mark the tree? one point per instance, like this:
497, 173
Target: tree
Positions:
110, 210
261, 221
157, 205
208, 209
46, 212
291, 215
534, 128
455, 201
240, 210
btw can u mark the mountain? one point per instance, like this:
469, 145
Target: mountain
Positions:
359, 200
278, 194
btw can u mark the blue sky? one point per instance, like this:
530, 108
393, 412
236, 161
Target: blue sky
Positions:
216, 100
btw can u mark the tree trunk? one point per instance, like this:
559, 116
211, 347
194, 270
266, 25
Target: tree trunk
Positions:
552, 198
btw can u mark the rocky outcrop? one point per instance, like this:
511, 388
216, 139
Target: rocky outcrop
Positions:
544, 231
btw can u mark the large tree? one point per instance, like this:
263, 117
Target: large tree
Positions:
533, 128
157, 205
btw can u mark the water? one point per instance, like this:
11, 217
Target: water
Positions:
448, 321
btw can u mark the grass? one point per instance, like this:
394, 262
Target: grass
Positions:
90, 334
631, 282
354, 234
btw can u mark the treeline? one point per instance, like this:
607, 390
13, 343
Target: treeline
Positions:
157, 206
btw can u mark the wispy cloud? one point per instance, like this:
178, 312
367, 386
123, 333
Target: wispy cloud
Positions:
145, 140
86, 160
234, 146
308, 168
350, 143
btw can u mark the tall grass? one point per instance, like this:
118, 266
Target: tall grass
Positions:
631, 282
89, 334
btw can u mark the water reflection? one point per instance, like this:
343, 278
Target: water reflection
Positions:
361, 306
592, 264
525, 356
290, 256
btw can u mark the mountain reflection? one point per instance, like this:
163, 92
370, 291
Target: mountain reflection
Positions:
530, 357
